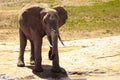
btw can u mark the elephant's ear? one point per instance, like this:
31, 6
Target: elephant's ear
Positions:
62, 15
32, 17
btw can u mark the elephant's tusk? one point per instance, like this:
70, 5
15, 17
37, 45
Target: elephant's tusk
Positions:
50, 44
61, 40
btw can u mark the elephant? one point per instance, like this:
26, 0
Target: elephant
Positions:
35, 22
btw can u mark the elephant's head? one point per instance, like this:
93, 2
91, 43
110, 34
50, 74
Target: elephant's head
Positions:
52, 19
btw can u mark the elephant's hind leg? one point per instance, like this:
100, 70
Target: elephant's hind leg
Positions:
23, 42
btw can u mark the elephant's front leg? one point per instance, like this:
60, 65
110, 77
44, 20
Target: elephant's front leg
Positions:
37, 52
56, 67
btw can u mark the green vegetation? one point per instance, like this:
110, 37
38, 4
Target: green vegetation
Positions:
100, 16
96, 17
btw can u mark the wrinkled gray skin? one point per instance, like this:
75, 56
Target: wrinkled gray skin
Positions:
36, 22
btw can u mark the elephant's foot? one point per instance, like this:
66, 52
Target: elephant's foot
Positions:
38, 69
32, 62
56, 70
21, 64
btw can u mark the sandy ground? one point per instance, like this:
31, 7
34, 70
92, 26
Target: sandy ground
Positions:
84, 59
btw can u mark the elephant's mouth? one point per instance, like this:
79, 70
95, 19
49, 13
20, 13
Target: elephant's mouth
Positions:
52, 34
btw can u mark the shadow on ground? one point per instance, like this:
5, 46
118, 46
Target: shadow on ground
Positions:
47, 74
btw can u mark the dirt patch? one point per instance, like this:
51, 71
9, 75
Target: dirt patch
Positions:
97, 56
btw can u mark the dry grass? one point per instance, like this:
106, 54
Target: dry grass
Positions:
101, 16
14, 4
9, 35
12, 35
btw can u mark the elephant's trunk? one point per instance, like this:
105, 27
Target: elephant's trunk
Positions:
54, 38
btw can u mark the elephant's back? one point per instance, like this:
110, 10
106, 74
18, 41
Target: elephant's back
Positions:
33, 9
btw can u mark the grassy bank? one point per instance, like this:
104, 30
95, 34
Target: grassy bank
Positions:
100, 16
96, 17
